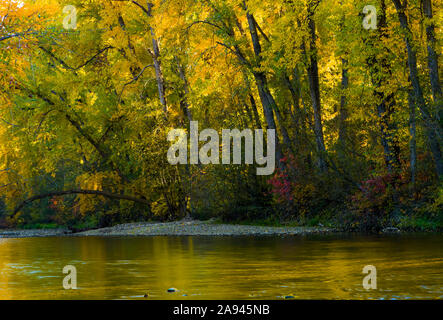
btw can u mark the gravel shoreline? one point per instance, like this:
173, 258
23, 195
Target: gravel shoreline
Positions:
33, 233
177, 228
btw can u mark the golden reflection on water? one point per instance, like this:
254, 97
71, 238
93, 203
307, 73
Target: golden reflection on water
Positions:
321, 267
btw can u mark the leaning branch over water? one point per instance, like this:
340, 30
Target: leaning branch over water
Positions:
80, 191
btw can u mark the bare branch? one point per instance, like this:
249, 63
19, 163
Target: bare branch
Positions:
133, 80
66, 66
80, 191
205, 22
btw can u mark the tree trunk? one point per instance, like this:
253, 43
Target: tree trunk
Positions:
268, 104
391, 149
155, 54
380, 72
280, 120
158, 72
296, 114
255, 111
252, 101
432, 54
314, 87
184, 101
412, 142
433, 130
343, 112
185, 192
266, 97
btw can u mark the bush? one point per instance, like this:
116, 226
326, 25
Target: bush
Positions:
373, 203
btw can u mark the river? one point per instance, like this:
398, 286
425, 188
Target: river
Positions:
304, 267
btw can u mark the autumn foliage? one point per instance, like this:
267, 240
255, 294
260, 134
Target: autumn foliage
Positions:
356, 111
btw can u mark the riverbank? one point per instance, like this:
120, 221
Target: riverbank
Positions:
177, 228
193, 228
199, 228
33, 233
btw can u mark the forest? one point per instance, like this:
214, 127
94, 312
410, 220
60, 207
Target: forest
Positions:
90, 89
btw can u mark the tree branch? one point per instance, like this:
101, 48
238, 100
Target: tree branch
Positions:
80, 191
133, 80
237, 53
66, 66
147, 11
205, 22
260, 30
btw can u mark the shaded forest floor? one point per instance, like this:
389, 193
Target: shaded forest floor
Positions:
351, 223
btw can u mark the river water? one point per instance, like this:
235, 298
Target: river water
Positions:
310, 267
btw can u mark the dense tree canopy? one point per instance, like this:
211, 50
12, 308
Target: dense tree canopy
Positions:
85, 112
